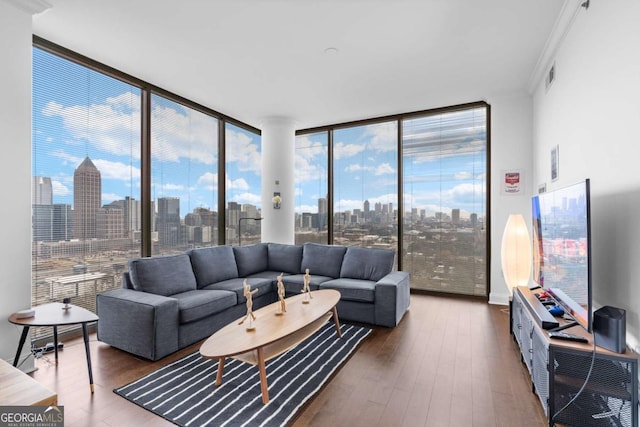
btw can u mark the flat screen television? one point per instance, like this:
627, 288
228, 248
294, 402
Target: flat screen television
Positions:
562, 249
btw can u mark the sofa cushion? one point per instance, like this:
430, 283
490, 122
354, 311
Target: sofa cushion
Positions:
366, 263
251, 259
263, 286
213, 264
162, 275
322, 260
285, 258
353, 289
200, 303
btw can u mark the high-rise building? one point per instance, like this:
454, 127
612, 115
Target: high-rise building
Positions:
474, 220
233, 214
455, 216
42, 191
367, 209
131, 215
322, 213
168, 221
87, 195
110, 222
250, 211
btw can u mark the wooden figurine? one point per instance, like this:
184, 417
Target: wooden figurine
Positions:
248, 294
281, 293
306, 288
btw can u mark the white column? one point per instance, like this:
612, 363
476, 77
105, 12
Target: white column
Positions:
278, 162
15, 168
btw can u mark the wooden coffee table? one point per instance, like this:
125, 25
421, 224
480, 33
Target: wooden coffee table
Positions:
273, 334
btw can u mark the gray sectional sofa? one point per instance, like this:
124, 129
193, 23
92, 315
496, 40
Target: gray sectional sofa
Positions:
169, 302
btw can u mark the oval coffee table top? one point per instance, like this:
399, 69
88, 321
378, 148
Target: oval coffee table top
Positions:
235, 339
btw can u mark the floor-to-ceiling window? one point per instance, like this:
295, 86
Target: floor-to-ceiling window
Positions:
414, 182
311, 186
85, 180
365, 185
243, 185
444, 157
123, 169
184, 177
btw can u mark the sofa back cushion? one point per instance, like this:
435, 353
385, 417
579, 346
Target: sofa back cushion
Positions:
162, 275
285, 258
366, 263
213, 264
251, 259
322, 260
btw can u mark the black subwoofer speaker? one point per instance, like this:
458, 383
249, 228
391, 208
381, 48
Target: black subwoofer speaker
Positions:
610, 328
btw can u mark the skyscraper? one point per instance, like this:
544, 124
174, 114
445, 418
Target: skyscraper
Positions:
322, 213
87, 195
168, 221
42, 191
455, 216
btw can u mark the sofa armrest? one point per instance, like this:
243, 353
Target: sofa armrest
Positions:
391, 298
141, 323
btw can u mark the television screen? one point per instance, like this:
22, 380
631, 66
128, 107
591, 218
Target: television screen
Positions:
562, 262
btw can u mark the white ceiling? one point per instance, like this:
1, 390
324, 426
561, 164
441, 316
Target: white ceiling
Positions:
253, 59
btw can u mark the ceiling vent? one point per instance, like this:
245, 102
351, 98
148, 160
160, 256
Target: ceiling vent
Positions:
551, 76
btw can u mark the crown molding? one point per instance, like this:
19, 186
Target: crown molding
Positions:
32, 7
561, 28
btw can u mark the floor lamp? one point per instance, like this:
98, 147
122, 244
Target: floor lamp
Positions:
515, 255
240, 226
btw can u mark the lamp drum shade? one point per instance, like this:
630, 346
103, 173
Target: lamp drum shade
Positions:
516, 252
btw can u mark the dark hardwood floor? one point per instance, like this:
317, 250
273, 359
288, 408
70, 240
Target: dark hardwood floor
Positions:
450, 362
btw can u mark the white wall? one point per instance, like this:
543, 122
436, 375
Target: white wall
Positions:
15, 172
592, 111
510, 150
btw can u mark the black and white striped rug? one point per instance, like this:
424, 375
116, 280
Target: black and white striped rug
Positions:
184, 392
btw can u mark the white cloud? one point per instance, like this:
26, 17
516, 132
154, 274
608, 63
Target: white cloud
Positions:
117, 170
172, 187
250, 198
342, 150
460, 176
356, 167
209, 180
308, 149
310, 160
183, 133
384, 169
237, 184
114, 127
242, 150
384, 136
59, 189
110, 197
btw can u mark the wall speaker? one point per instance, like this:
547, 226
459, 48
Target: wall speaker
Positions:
610, 328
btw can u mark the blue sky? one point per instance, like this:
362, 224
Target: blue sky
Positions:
98, 116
